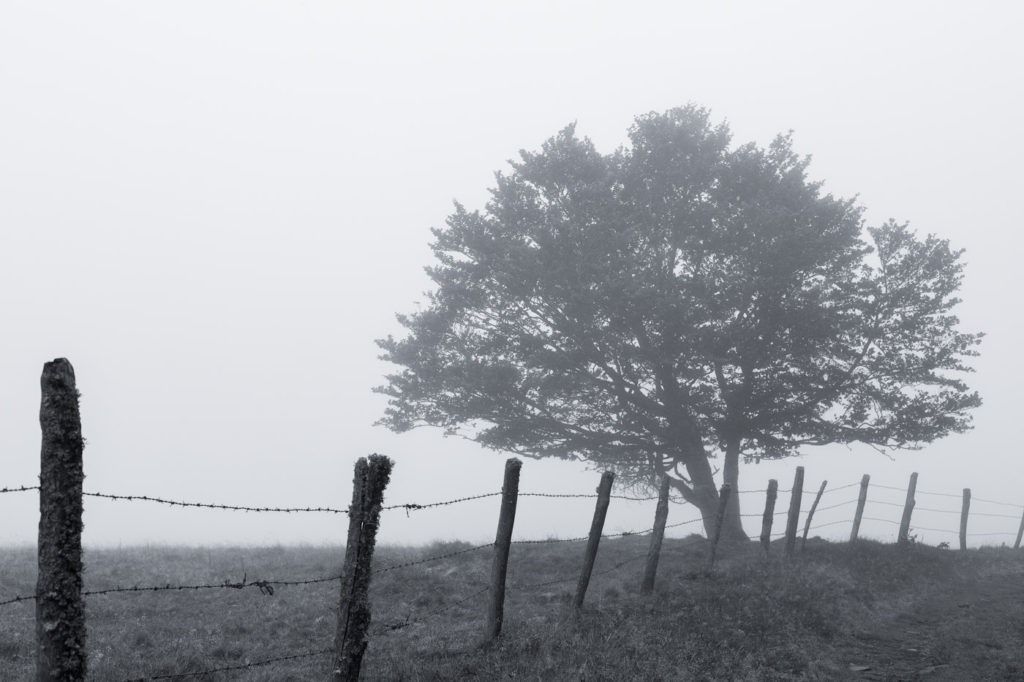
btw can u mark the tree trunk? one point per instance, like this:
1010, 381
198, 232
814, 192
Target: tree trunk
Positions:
732, 528
703, 494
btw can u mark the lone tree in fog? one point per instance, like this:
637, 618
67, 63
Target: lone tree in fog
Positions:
675, 303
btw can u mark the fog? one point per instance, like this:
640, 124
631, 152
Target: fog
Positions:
213, 209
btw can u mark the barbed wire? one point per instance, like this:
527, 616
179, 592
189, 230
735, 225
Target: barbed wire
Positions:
229, 668
211, 505
873, 518
412, 506
928, 492
437, 557
830, 523
19, 489
1005, 504
836, 505
841, 487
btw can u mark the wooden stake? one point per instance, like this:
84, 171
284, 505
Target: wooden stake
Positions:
793, 520
723, 501
502, 543
657, 536
604, 490
769, 514
60, 610
350, 640
964, 511
908, 509
861, 499
810, 514
1020, 532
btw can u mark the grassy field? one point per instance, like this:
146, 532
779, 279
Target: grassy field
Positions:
835, 612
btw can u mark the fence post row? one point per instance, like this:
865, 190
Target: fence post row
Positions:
604, 491
502, 543
723, 501
657, 536
769, 514
793, 520
861, 499
60, 611
810, 514
963, 518
371, 477
908, 509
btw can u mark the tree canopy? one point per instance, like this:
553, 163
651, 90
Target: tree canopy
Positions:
679, 301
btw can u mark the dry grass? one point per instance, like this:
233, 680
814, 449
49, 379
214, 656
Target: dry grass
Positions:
897, 611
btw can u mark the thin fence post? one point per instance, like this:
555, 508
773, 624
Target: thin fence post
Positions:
60, 611
810, 515
793, 520
350, 640
657, 536
1020, 532
723, 501
502, 543
769, 514
604, 490
861, 499
964, 511
908, 509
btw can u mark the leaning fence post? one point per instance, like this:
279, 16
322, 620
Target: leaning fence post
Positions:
1020, 532
964, 511
604, 490
350, 640
657, 536
723, 501
810, 514
60, 611
502, 542
861, 499
793, 520
769, 514
908, 509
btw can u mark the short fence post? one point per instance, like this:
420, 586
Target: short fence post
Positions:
1020, 532
657, 536
723, 501
60, 611
794, 510
861, 499
908, 509
502, 543
350, 639
604, 491
769, 514
964, 511
810, 514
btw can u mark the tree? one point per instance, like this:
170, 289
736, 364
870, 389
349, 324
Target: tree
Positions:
675, 303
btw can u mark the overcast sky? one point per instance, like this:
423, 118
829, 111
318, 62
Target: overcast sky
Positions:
212, 209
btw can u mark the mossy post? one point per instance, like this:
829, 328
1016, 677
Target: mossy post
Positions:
60, 611
604, 492
861, 500
723, 502
657, 537
769, 514
371, 477
810, 514
502, 543
793, 520
1020, 532
964, 511
908, 509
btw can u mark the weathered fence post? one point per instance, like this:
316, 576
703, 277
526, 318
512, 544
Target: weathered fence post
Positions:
350, 640
1020, 532
810, 514
657, 536
964, 511
908, 509
861, 499
604, 491
769, 514
723, 502
793, 520
60, 611
502, 542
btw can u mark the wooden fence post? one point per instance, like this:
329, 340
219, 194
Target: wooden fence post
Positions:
908, 509
604, 491
1020, 532
810, 514
769, 514
861, 499
793, 520
657, 536
502, 542
723, 502
964, 511
350, 640
60, 610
